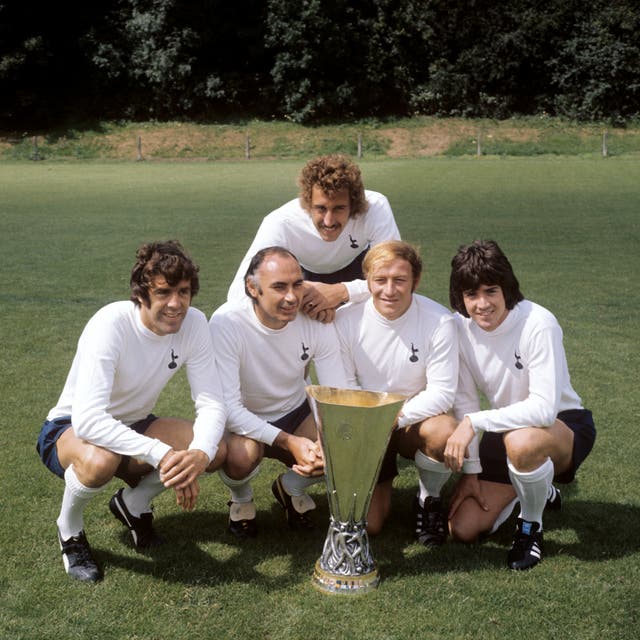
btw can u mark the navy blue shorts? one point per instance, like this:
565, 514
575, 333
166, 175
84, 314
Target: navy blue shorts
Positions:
353, 271
493, 455
51, 430
288, 423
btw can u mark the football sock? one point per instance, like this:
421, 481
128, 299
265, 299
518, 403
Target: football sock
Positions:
532, 488
503, 515
433, 476
74, 500
240, 490
295, 484
138, 499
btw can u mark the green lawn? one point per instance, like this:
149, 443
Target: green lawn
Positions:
68, 233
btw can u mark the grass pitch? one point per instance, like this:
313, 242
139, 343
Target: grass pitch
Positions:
69, 233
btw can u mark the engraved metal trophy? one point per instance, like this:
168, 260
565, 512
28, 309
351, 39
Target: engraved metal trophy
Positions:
355, 428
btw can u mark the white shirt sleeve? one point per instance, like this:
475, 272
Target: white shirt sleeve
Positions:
268, 235
99, 350
381, 226
328, 360
206, 392
540, 407
228, 356
344, 338
442, 377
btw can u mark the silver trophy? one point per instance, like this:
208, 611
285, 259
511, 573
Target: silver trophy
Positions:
355, 428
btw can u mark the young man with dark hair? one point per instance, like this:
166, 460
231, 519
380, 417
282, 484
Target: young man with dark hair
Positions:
536, 429
329, 229
263, 347
102, 425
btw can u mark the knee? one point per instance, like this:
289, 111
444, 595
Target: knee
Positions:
435, 432
522, 450
375, 521
241, 458
379, 508
464, 531
220, 457
374, 526
97, 466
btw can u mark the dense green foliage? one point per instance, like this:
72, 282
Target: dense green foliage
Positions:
312, 61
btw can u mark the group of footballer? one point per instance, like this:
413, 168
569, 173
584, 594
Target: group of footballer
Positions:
327, 280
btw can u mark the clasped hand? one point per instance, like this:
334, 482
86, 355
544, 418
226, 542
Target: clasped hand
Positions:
180, 470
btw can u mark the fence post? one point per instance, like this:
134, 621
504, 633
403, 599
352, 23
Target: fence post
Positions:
139, 147
359, 145
247, 148
605, 149
479, 143
36, 151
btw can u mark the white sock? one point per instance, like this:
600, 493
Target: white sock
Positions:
241, 490
75, 498
532, 488
433, 476
295, 484
138, 499
503, 515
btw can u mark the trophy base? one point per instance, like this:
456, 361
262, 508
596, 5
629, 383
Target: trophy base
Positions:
328, 582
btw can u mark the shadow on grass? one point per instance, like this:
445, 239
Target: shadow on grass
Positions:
586, 530
200, 551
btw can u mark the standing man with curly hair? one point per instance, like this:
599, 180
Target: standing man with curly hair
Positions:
329, 228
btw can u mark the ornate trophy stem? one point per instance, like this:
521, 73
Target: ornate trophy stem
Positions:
355, 428
346, 563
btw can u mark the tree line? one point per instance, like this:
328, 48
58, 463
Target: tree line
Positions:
314, 61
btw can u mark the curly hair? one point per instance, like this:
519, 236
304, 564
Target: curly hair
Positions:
167, 259
482, 263
332, 174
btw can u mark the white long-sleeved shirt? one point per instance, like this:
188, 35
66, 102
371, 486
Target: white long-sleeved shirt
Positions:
291, 227
415, 355
520, 367
262, 370
118, 372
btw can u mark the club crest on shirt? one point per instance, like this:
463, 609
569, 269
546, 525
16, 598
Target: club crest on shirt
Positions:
413, 357
354, 242
304, 355
174, 357
518, 357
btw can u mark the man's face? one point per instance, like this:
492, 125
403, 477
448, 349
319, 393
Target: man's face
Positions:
167, 306
329, 215
486, 306
278, 291
391, 285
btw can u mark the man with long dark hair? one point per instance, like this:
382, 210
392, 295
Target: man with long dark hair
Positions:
536, 429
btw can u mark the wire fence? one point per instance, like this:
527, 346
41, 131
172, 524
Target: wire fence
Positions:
203, 145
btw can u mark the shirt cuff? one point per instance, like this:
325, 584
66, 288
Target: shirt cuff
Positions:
210, 453
471, 465
269, 433
158, 451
